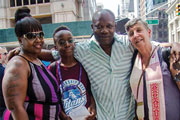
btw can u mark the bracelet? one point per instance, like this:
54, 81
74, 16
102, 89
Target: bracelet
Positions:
177, 77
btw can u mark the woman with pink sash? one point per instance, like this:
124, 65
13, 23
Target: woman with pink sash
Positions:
155, 90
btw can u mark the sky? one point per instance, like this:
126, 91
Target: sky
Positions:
109, 4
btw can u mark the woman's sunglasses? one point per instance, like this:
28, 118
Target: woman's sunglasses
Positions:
32, 35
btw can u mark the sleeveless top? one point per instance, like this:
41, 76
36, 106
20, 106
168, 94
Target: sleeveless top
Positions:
42, 100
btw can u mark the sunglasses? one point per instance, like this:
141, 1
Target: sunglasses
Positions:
32, 36
63, 42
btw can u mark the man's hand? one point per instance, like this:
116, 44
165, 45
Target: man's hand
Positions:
92, 111
67, 118
13, 52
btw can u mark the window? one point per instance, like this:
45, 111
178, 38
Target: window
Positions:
40, 1
160, 34
18, 2
159, 14
26, 2
33, 1
12, 3
160, 25
164, 15
165, 34
46, 1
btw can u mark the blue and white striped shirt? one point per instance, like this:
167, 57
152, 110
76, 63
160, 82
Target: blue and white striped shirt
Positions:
109, 77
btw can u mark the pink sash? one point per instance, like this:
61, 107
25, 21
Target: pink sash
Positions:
154, 84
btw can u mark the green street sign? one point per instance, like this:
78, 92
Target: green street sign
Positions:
153, 22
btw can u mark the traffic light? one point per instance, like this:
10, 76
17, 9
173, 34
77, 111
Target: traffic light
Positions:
178, 9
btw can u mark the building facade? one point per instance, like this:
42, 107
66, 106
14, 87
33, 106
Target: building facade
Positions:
174, 21
156, 9
48, 11
137, 8
143, 9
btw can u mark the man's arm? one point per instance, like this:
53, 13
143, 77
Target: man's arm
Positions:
45, 54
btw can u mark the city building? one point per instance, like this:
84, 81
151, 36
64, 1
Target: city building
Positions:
123, 9
137, 8
173, 21
99, 6
142, 9
81, 31
48, 11
156, 10
76, 14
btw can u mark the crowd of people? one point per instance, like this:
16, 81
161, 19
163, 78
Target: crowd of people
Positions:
103, 78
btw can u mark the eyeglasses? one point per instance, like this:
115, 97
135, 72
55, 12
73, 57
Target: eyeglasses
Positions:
63, 42
33, 35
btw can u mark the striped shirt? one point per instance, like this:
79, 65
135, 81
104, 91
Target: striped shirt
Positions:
109, 77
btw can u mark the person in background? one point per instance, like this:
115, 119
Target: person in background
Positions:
156, 94
76, 97
2, 104
3, 56
3, 62
29, 88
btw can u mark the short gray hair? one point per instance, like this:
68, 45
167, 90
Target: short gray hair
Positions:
134, 21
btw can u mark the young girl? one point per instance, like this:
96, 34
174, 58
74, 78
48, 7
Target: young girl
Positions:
76, 97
